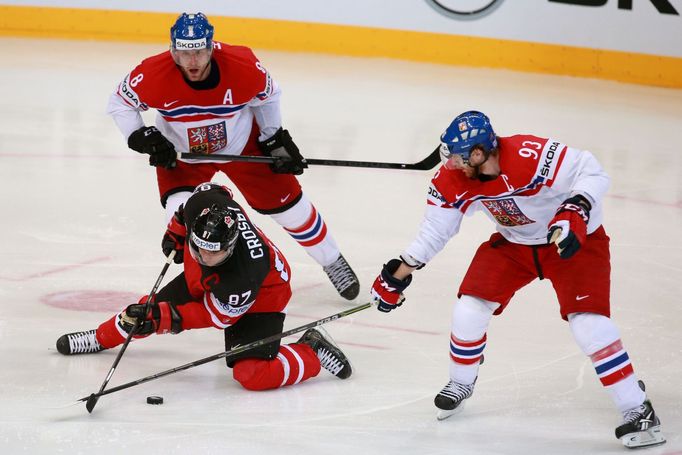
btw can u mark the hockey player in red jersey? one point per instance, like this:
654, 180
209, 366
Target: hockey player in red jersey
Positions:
539, 192
234, 279
214, 98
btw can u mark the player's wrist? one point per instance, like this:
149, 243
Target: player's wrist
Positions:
411, 261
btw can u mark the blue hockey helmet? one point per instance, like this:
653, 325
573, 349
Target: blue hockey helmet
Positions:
190, 32
469, 130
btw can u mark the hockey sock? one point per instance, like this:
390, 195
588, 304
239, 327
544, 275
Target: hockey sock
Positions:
615, 372
465, 359
598, 337
305, 225
470, 319
294, 363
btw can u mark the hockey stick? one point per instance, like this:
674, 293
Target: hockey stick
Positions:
230, 353
92, 399
424, 165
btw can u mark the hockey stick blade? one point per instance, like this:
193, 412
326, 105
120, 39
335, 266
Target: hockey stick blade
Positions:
93, 398
230, 353
424, 165
91, 402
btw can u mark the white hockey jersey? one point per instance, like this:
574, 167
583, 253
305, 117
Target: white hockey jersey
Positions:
537, 175
218, 120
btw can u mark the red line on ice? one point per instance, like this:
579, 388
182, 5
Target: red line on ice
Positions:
63, 268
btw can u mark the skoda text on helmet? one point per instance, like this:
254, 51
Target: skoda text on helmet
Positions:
468, 131
191, 32
215, 231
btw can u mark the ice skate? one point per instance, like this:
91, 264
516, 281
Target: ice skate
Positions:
79, 343
343, 278
450, 400
641, 427
331, 357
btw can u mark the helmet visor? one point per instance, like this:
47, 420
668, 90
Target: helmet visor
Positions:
452, 160
210, 254
209, 258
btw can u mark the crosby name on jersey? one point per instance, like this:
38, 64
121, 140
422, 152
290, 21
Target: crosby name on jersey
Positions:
255, 272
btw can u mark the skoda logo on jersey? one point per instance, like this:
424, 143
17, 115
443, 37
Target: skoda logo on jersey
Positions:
204, 245
187, 45
465, 9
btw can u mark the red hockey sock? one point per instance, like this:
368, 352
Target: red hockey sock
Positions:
294, 363
109, 334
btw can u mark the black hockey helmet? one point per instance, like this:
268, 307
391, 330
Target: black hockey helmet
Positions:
213, 235
208, 186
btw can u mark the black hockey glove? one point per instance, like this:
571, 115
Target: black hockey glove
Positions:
174, 238
387, 290
150, 141
281, 146
163, 318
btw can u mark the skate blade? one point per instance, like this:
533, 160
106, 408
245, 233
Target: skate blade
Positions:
647, 438
445, 413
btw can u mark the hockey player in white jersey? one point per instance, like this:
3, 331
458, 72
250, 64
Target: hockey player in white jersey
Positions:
213, 98
545, 199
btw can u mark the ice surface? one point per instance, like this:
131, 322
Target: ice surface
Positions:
82, 226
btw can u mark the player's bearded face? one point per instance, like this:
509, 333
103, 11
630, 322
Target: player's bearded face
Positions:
471, 168
194, 64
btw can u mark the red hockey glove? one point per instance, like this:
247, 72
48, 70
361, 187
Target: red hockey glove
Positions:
571, 221
174, 238
150, 141
387, 291
163, 318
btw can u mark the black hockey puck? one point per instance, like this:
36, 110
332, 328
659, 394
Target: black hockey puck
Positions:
154, 400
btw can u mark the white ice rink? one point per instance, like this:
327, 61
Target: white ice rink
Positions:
81, 228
